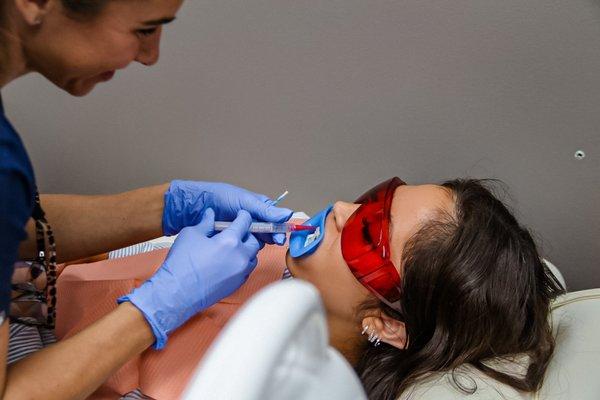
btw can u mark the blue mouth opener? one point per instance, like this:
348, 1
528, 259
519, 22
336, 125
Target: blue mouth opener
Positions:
303, 243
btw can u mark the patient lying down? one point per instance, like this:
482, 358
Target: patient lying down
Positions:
416, 280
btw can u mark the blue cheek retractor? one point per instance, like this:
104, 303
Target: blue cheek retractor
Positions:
300, 242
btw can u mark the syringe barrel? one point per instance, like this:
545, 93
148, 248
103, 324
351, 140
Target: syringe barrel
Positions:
267, 227
256, 227
221, 225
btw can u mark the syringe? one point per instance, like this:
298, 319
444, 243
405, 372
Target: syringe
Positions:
268, 227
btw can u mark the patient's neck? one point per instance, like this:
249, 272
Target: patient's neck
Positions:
345, 337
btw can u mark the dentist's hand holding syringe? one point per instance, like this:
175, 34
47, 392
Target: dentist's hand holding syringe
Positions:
203, 266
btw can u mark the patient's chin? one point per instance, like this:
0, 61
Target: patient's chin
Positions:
297, 266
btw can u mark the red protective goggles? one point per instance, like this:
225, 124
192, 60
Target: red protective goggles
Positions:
366, 245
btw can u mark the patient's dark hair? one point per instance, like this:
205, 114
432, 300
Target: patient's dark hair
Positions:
474, 288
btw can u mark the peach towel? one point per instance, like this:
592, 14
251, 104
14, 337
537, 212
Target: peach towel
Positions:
86, 292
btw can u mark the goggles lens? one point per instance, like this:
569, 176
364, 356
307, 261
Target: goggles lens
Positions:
365, 243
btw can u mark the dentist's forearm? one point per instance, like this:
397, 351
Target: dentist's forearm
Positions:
75, 367
88, 225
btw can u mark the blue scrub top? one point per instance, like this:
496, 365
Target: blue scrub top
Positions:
17, 191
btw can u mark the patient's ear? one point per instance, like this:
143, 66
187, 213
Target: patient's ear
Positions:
388, 329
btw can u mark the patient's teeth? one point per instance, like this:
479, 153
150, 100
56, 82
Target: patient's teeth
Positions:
312, 237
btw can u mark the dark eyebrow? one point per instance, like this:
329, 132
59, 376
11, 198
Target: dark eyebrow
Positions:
161, 21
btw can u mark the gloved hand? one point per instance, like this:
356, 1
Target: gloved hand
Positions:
199, 271
185, 202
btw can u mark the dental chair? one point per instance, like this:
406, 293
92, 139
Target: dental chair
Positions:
276, 348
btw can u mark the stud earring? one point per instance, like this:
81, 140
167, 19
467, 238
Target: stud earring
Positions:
37, 20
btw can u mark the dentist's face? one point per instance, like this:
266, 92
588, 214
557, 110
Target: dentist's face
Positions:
77, 52
326, 269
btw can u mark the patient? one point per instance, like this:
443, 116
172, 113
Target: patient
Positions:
468, 287
414, 279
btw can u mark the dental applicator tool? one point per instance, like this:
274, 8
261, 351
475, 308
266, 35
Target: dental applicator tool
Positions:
268, 227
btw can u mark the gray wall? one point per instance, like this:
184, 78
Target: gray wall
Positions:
325, 98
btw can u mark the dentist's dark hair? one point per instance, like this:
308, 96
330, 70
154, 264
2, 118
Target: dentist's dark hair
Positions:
74, 8
474, 288
84, 8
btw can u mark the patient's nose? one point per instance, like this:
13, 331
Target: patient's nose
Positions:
149, 50
341, 212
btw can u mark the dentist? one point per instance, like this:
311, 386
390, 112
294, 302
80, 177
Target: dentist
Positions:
77, 44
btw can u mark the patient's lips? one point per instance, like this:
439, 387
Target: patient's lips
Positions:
303, 243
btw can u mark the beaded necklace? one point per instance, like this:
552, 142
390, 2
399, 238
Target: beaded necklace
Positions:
43, 230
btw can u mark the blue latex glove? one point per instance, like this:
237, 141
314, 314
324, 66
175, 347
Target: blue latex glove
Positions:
199, 271
185, 202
